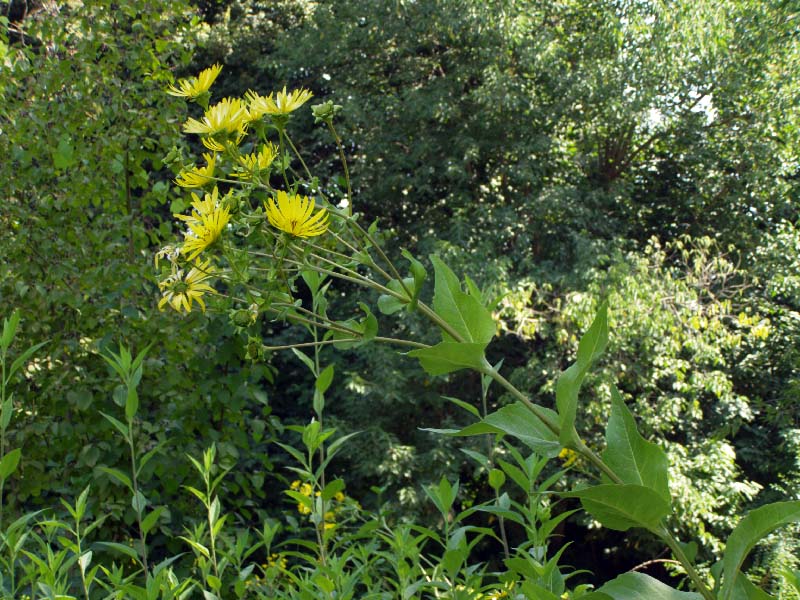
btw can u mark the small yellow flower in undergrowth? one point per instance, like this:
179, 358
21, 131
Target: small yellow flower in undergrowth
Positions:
227, 118
181, 291
293, 214
568, 456
206, 222
282, 104
193, 87
197, 177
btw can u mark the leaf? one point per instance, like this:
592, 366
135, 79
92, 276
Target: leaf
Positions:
64, 154
744, 589
516, 420
419, 273
630, 456
9, 463
9, 330
333, 488
325, 379
131, 403
463, 312
465, 405
446, 357
151, 519
569, 382
121, 427
750, 530
390, 304
638, 586
21, 360
118, 475
126, 550
621, 507
304, 358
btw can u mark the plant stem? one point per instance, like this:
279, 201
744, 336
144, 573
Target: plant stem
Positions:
678, 552
343, 159
136, 494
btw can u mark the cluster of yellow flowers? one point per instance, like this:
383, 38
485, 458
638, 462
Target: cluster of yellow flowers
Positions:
222, 128
307, 490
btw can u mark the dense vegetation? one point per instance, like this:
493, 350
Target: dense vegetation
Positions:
557, 153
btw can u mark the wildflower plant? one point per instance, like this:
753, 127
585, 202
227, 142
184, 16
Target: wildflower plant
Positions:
278, 234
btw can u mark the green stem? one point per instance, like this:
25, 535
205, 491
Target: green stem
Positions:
343, 159
678, 552
134, 479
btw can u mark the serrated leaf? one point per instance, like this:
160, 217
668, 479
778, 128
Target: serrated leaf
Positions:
569, 382
463, 312
446, 357
638, 586
630, 456
622, 506
516, 420
750, 530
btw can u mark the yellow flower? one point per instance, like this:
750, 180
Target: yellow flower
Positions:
179, 291
193, 87
276, 560
206, 222
282, 104
198, 176
292, 214
253, 163
227, 117
568, 456
339, 497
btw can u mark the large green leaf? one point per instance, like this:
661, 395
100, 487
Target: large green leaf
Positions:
623, 506
446, 357
630, 456
750, 530
638, 586
569, 382
518, 421
463, 312
9, 463
744, 589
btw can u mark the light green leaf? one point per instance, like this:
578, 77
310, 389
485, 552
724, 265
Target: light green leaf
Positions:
446, 357
621, 507
518, 421
126, 550
21, 360
151, 519
638, 586
463, 312
630, 456
569, 382
64, 154
9, 329
390, 304
131, 403
419, 273
750, 530
9, 463
325, 379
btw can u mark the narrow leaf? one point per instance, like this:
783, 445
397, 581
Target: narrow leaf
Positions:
569, 382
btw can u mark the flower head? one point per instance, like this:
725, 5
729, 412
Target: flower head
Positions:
194, 87
252, 164
181, 291
568, 456
282, 104
208, 218
198, 176
227, 118
292, 214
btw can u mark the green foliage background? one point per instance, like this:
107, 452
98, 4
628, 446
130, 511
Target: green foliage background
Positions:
557, 152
